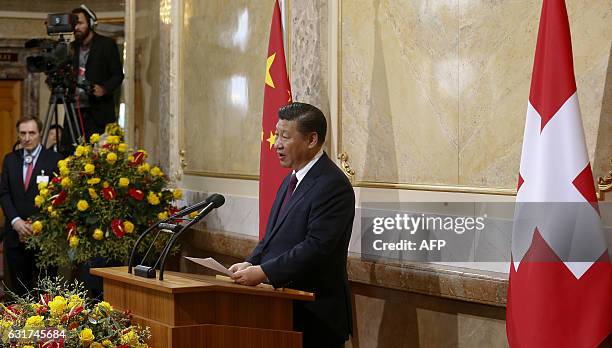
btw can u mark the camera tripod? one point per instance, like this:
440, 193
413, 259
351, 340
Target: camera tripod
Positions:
59, 96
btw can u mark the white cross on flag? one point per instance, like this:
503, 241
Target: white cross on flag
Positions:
560, 291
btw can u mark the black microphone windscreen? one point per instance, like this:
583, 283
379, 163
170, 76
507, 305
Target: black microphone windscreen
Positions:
217, 200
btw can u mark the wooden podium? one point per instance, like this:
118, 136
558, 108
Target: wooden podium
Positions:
189, 310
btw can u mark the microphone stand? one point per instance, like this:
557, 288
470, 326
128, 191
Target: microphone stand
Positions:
166, 224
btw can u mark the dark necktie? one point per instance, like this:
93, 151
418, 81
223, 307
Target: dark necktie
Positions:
289, 192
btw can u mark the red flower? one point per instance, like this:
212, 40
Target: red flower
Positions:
136, 194
139, 156
56, 180
117, 227
61, 197
75, 311
44, 299
41, 310
109, 193
71, 229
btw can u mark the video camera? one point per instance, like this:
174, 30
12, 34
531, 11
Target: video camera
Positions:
55, 58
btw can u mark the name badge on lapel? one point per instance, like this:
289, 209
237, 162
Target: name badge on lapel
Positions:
42, 178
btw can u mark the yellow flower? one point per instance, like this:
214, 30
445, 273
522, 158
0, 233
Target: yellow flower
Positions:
74, 241
57, 306
128, 226
79, 151
64, 171
112, 139
74, 301
94, 138
163, 215
95, 345
42, 185
37, 227
130, 158
86, 337
50, 209
82, 205
35, 321
152, 198
89, 168
104, 308
107, 343
177, 194
124, 182
105, 184
111, 158
86, 150
54, 214
98, 234
155, 171
66, 182
62, 163
130, 338
93, 181
92, 193
44, 193
193, 214
38, 201
122, 147
144, 168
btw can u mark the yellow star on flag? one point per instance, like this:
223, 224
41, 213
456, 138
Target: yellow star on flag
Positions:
269, 62
271, 139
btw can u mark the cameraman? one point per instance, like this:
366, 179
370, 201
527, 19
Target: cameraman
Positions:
97, 64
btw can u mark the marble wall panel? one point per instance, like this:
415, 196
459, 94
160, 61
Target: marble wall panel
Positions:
223, 66
147, 75
436, 92
20, 28
496, 49
399, 90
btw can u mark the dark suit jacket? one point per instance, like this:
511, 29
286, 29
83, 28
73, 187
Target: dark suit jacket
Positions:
306, 246
103, 68
15, 202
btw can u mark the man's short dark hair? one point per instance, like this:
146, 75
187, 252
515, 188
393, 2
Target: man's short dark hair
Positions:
56, 126
25, 119
309, 119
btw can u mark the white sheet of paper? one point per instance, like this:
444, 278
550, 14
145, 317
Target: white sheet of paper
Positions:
210, 263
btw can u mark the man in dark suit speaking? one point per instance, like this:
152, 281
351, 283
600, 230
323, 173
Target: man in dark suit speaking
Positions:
22, 171
306, 242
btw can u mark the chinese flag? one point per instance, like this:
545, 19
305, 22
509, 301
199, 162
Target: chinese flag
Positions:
560, 291
277, 93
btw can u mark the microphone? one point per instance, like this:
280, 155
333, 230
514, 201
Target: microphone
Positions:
216, 198
212, 202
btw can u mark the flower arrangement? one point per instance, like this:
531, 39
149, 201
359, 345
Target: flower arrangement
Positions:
104, 196
58, 314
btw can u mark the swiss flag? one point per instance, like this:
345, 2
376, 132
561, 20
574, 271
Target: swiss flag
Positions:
560, 292
277, 93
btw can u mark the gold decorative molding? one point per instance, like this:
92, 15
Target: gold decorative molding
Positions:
346, 167
604, 184
437, 188
182, 159
221, 175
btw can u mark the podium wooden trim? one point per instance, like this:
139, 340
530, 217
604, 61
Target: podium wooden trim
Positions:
190, 310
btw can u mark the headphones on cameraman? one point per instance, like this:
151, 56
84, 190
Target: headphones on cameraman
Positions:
91, 17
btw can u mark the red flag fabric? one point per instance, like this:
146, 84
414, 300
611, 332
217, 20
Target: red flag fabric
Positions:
560, 291
277, 93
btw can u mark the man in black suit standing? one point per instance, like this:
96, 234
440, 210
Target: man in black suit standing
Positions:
96, 61
306, 242
22, 171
